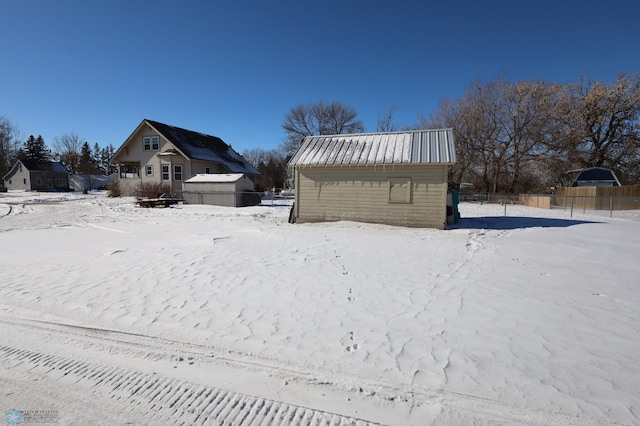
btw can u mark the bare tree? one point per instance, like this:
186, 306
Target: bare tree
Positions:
257, 155
9, 145
501, 129
272, 165
528, 129
67, 148
318, 119
385, 122
601, 126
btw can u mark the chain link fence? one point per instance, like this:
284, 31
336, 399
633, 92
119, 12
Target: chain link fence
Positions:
630, 205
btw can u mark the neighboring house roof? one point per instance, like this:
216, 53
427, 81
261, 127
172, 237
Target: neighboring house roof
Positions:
216, 178
35, 166
409, 147
45, 166
198, 146
594, 176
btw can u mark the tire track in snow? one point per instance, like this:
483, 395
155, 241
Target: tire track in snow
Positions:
166, 401
8, 209
161, 398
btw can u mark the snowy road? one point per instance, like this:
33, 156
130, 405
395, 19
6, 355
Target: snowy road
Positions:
132, 379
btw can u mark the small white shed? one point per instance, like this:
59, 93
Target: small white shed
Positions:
220, 189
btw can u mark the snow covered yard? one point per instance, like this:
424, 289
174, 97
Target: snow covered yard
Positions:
530, 318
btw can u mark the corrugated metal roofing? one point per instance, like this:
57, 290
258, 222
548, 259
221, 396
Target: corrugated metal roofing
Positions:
410, 147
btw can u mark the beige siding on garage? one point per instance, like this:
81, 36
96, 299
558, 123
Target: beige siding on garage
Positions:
331, 193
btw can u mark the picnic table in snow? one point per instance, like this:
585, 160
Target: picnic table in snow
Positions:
158, 202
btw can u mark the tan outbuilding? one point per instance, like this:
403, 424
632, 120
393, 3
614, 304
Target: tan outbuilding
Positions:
397, 178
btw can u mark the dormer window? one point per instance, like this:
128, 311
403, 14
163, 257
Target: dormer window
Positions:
151, 143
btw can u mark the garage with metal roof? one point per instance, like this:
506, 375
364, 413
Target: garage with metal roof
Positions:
397, 178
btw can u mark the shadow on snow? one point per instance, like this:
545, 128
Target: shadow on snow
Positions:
514, 222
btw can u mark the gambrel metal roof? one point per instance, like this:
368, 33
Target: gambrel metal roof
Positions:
409, 147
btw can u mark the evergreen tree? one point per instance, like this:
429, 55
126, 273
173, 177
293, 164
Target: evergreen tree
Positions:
35, 149
95, 158
86, 164
105, 156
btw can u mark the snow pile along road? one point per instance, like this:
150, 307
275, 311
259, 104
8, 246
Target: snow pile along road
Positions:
158, 313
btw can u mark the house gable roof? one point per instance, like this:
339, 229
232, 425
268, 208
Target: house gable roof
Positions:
409, 147
45, 166
198, 146
36, 166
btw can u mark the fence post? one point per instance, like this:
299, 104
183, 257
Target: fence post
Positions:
572, 198
611, 207
504, 201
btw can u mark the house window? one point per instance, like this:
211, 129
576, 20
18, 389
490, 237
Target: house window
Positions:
151, 143
177, 172
148, 170
207, 170
165, 172
400, 190
24, 181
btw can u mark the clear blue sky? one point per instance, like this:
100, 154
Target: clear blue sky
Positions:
233, 69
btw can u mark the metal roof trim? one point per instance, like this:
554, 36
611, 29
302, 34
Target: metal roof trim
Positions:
434, 146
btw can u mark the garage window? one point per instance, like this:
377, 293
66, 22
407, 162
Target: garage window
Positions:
400, 190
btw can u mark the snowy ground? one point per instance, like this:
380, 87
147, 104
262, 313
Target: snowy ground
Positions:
111, 312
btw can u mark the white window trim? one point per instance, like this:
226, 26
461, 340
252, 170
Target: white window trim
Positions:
166, 172
175, 172
150, 143
402, 193
148, 170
